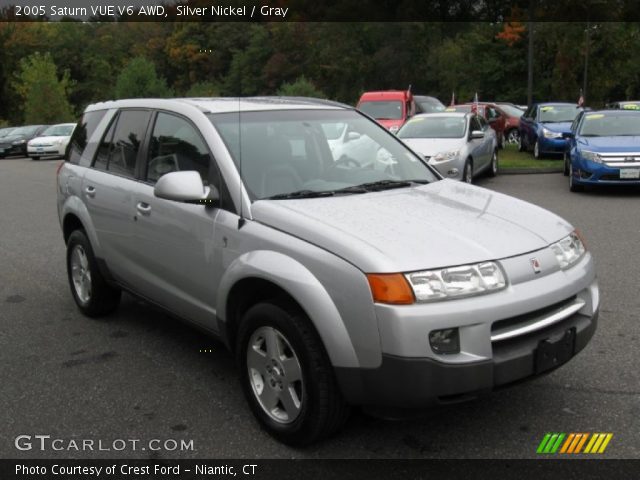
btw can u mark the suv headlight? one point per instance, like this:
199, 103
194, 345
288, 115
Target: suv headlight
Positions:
549, 134
444, 156
591, 156
569, 250
455, 282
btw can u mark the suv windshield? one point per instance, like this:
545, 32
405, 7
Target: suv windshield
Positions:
434, 127
610, 125
288, 152
388, 110
58, 131
558, 113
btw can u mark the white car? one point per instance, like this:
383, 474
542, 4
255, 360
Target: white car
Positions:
52, 142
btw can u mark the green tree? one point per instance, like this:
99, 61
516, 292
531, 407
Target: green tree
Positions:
139, 80
45, 96
204, 89
300, 88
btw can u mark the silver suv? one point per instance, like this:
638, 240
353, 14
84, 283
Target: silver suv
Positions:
336, 282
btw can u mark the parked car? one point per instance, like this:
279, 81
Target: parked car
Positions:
513, 113
390, 108
625, 105
16, 142
459, 145
543, 125
502, 119
604, 149
425, 104
52, 141
6, 131
334, 284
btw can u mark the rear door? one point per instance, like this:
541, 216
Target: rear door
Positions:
107, 190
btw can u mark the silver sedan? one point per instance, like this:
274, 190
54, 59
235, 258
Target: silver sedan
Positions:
459, 145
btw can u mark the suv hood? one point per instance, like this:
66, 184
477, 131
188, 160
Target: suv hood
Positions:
610, 144
437, 225
431, 146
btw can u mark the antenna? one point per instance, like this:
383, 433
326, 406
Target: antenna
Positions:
241, 219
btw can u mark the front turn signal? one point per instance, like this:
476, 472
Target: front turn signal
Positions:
392, 288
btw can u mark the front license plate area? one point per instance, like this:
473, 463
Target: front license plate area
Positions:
629, 173
551, 354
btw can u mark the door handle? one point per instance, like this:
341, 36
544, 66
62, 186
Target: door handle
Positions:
143, 208
90, 191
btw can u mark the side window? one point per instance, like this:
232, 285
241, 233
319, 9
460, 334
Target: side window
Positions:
483, 123
119, 148
176, 146
475, 124
83, 131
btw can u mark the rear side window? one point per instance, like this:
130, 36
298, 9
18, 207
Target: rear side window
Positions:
86, 126
119, 148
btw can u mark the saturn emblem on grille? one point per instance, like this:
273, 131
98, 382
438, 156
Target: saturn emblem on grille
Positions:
535, 264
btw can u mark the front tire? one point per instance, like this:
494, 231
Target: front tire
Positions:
35, 158
493, 168
567, 159
573, 186
467, 172
286, 375
521, 147
93, 295
536, 150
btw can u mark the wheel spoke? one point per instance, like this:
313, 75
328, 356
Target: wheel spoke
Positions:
292, 372
256, 359
290, 401
272, 343
268, 397
83, 259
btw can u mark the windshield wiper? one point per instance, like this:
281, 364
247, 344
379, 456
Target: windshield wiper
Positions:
316, 194
389, 184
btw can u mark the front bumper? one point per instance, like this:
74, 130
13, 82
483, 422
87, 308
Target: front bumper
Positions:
552, 145
39, 151
452, 169
586, 172
10, 149
502, 337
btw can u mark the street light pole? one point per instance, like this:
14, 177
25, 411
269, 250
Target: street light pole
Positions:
586, 61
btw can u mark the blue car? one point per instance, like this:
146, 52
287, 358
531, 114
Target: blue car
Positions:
604, 149
543, 125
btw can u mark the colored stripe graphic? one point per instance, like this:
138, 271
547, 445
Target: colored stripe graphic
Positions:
573, 443
550, 443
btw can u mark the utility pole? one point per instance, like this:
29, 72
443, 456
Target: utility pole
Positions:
586, 61
530, 57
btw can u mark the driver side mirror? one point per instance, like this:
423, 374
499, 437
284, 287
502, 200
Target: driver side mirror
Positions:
185, 186
477, 134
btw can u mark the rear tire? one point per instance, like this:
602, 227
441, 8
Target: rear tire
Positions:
93, 295
286, 375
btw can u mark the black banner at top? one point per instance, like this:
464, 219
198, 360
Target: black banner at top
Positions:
321, 11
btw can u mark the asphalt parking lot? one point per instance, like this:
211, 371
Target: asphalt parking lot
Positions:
141, 375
